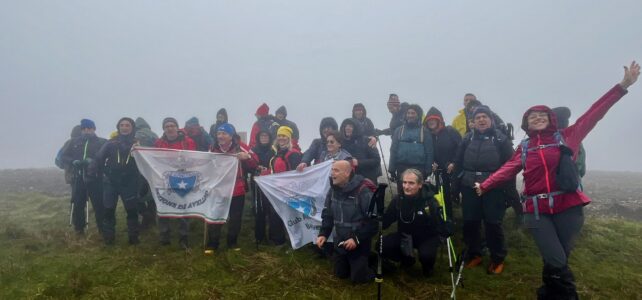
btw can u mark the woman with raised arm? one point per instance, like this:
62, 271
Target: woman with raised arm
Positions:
552, 198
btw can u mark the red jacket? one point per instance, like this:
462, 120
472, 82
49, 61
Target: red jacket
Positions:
183, 142
547, 159
244, 165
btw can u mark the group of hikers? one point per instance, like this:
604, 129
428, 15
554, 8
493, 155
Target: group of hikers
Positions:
473, 160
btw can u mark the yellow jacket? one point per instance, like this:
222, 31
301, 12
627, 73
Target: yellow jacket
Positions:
460, 123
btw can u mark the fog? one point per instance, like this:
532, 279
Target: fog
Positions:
61, 61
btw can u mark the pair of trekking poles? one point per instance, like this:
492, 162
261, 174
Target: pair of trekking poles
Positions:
376, 211
78, 177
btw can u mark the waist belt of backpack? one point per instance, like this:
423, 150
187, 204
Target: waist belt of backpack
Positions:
536, 198
351, 225
478, 173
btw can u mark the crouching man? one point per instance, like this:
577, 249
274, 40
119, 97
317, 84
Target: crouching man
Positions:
346, 210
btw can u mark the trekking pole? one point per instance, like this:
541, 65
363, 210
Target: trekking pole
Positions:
385, 166
450, 265
376, 211
257, 211
460, 277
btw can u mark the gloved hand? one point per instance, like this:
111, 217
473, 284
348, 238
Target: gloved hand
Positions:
76, 163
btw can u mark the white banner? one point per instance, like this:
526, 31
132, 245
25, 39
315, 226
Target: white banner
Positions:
298, 198
189, 183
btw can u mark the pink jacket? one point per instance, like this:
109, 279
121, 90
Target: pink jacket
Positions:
541, 165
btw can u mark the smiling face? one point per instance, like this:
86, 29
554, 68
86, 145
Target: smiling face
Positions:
124, 127
433, 124
411, 115
537, 120
282, 140
332, 144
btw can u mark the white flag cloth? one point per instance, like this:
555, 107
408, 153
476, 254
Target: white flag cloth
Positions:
298, 198
189, 183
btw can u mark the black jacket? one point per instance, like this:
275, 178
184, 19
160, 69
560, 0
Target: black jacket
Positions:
420, 216
318, 145
115, 160
75, 150
345, 206
357, 145
445, 143
479, 154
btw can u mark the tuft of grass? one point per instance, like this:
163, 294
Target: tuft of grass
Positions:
41, 258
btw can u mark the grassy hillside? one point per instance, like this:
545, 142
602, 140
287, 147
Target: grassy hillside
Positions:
40, 257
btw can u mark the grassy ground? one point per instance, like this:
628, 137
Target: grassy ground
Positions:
40, 257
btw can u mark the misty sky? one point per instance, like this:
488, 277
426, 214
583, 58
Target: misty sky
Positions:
61, 61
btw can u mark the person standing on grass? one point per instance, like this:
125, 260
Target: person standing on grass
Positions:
227, 143
481, 152
173, 138
553, 209
79, 154
121, 179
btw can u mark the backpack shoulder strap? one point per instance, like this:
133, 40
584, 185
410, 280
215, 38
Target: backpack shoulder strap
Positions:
524, 146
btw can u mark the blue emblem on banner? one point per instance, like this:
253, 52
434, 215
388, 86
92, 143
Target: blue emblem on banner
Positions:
303, 204
182, 183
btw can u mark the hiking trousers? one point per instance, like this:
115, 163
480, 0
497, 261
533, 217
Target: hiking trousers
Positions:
490, 209
267, 216
128, 192
555, 234
426, 248
233, 225
353, 264
82, 190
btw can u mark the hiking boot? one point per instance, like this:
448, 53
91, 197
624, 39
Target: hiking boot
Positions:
495, 268
473, 262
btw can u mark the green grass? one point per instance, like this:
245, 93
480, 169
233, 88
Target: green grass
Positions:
40, 257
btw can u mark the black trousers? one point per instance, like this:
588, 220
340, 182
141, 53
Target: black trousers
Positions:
426, 248
267, 216
128, 192
233, 225
490, 209
80, 191
354, 264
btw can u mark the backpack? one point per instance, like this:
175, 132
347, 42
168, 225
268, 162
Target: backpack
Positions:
567, 175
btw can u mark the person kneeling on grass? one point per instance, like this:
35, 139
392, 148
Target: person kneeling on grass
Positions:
420, 224
346, 210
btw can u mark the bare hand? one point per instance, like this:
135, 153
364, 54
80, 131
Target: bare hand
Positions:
301, 166
243, 155
350, 245
451, 168
355, 162
320, 241
630, 75
372, 141
478, 189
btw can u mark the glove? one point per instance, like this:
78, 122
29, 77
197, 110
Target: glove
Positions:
76, 163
